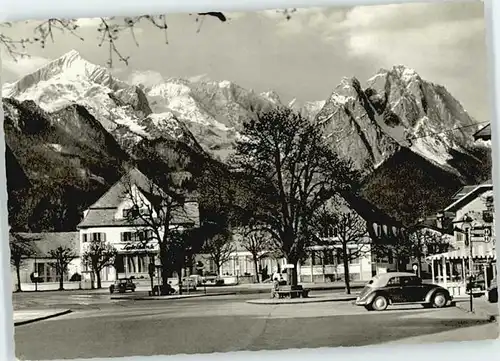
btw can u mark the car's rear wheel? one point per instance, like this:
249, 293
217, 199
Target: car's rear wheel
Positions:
380, 303
439, 300
111, 290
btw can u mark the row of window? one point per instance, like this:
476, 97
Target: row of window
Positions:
138, 236
133, 263
333, 256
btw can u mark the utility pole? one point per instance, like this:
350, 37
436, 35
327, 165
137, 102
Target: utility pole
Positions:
471, 266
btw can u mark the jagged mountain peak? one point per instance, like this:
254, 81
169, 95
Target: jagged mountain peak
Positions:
396, 108
70, 67
272, 96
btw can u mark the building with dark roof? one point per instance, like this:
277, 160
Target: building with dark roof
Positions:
109, 220
39, 264
483, 133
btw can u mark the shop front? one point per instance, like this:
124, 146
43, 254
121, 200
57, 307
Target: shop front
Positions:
453, 269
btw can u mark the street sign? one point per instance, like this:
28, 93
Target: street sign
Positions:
481, 233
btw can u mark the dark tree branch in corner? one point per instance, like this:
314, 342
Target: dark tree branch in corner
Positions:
110, 30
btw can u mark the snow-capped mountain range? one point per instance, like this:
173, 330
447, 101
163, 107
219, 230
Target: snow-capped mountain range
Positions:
395, 111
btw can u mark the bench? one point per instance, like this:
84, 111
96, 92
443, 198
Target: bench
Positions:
292, 292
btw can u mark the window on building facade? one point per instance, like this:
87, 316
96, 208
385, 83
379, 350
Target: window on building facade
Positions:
98, 237
353, 256
85, 238
328, 256
131, 264
126, 236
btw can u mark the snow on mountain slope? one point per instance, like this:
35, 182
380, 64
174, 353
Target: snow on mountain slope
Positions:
122, 109
214, 112
308, 109
396, 108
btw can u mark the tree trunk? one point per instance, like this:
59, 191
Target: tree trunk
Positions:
179, 280
61, 282
98, 278
347, 278
18, 275
256, 265
294, 280
164, 269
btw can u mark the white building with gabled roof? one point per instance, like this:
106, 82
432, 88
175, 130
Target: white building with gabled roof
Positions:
107, 220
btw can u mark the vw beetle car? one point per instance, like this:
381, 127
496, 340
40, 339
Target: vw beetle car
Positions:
400, 287
122, 285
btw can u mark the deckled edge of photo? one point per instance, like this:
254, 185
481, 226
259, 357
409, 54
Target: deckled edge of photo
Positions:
14, 10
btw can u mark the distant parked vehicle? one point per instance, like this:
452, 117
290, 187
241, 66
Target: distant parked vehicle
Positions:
122, 285
400, 288
493, 291
189, 283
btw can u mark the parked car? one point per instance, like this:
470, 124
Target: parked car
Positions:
493, 291
189, 283
398, 288
161, 290
122, 285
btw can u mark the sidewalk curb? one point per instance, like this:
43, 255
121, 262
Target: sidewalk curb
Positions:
175, 297
486, 315
20, 323
300, 301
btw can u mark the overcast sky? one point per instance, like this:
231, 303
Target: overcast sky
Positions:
303, 58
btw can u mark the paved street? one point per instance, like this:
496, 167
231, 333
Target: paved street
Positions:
228, 323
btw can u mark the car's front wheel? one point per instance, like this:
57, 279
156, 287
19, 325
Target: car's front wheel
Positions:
439, 300
380, 303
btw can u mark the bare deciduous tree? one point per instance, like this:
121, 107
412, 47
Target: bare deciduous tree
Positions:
63, 256
256, 242
20, 249
294, 173
109, 31
348, 231
219, 248
99, 254
161, 213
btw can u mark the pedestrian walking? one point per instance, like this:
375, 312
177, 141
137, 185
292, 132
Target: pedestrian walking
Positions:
275, 289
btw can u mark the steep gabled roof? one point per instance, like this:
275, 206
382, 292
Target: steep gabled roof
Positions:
102, 213
463, 191
483, 133
115, 195
467, 198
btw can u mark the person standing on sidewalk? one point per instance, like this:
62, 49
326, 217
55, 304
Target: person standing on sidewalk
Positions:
275, 289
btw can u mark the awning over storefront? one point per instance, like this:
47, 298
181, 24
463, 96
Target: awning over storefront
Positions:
480, 251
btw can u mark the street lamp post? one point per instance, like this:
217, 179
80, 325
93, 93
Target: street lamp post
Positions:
468, 241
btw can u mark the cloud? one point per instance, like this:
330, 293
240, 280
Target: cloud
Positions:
420, 34
323, 21
197, 78
22, 66
148, 78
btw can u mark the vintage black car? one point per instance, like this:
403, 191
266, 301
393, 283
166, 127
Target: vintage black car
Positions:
493, 291
400, 287
122, 285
